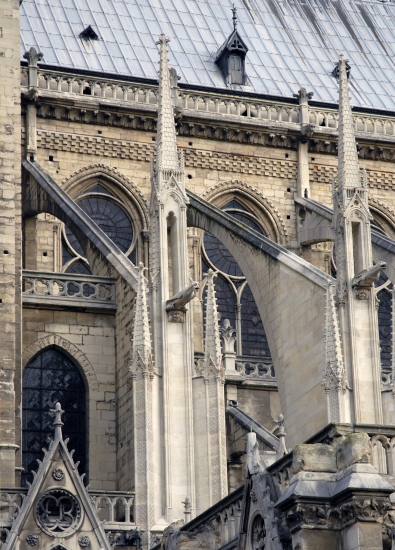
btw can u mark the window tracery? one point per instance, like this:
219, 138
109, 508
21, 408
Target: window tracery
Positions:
110, 214
234, 297
48, 378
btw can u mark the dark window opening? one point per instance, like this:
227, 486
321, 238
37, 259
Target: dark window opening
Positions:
236, 69
89, 34
48, 378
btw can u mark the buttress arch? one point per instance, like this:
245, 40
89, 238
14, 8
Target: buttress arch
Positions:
255, 202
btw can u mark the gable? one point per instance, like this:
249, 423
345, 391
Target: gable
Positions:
57, 513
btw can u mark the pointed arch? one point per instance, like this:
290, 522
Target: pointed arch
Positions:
67, 347
81, 179
256, 203
384, 216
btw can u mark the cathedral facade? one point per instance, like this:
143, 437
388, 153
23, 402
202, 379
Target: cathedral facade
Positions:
197, 303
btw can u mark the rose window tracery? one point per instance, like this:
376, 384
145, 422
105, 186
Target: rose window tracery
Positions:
58, 513
112, 218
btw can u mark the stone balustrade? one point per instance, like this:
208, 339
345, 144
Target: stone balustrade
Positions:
383, 457
222, 518
256, 369
10, 503
45, 288
146, 96
115, 508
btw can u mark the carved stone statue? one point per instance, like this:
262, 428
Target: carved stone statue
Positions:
180, 300
369, 276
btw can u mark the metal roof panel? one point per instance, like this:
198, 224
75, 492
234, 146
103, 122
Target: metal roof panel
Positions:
291, 44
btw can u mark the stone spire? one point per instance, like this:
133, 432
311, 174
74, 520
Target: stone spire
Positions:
141, 351
167, 158
348, 166
212, 342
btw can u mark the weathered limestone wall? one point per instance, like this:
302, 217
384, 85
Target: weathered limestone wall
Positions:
261, 404
42, 243
89, 339
125, 297
10, 238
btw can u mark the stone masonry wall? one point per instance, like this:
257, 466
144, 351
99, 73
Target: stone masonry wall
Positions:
125, 428
10, 237
90, 338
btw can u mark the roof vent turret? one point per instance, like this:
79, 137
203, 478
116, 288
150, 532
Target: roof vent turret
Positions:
89, 34
231, 56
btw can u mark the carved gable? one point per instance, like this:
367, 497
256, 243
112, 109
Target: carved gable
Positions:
57, 512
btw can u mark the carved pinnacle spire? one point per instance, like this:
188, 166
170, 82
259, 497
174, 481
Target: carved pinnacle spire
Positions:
57, 411
234, 18
166, 157
141, 332
212, 343
348, 166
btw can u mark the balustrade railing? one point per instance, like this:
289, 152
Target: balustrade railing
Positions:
205, 102
10, 503
226, 514
115, 508
255, 368
43, 287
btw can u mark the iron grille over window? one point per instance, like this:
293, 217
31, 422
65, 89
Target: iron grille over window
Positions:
48, 378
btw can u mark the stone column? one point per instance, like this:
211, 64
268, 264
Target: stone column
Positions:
10, 250
303, 182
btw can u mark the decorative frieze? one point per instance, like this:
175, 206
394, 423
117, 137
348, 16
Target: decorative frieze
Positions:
194, 158
320, 173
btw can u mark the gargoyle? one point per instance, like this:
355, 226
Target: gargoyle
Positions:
368, 276
180, 300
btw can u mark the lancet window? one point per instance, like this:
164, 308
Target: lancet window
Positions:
234, 297
48, 378
111, 216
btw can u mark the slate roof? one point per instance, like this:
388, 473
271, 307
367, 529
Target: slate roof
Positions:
292, 43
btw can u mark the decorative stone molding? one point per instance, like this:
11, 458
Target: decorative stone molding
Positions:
337, 517
255, 198
101, 170
58, 474
375, 179
32, 539
70, 348
84, 541
142, 152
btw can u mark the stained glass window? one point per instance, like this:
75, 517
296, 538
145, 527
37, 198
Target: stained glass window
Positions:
231, 291
109, 216
48, 378
385, 323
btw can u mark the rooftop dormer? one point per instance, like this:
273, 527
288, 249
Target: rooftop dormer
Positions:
231, 57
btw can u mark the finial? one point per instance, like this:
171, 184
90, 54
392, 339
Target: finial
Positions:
57, 411
162, 39
187, 509
282, 450
234, 18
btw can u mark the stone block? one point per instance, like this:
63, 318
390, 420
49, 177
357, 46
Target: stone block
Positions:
353, 448
314, 458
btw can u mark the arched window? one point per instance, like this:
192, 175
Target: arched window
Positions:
48, 378
111, 216
234, 297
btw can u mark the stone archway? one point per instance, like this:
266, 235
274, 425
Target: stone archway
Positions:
290, 294
54, 340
